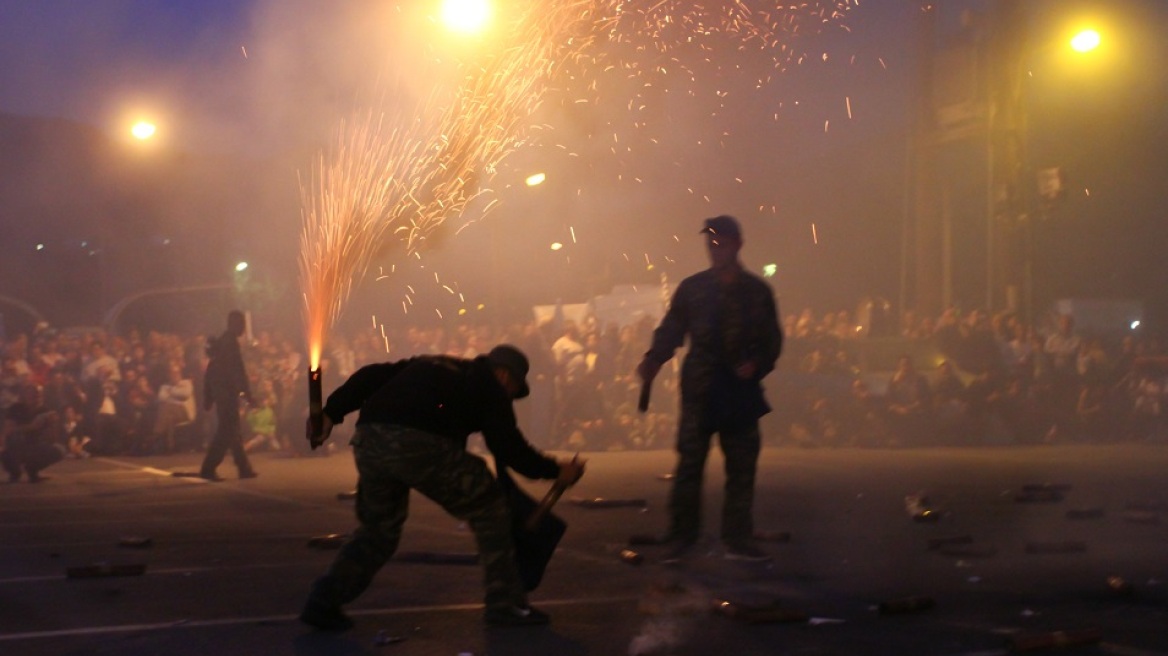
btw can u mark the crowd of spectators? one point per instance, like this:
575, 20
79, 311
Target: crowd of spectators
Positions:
968, 378
961, 379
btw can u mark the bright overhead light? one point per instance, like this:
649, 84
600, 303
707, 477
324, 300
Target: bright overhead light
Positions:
1086, 41
143, 130
466, 16
242, 266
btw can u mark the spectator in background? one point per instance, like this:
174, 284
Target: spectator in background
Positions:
10, 382
863, 422
100, 366
908, 404
176, 406
108, 433
74, 434
950, 405
31, 437
137, 404
1063, 346
262, 425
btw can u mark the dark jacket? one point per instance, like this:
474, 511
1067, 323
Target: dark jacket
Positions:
226, 377
451, 397
727, 324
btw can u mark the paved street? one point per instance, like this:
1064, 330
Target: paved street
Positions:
228, 565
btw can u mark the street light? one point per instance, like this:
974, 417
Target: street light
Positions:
1031, 182
1086, 41
466, 16
143, 130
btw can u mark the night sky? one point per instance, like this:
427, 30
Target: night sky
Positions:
811, 158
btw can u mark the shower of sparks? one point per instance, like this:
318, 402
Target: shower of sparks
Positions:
405, 175
393, 179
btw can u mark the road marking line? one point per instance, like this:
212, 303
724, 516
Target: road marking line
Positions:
270, 619
167, 571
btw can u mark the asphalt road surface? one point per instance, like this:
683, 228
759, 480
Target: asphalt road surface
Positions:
228, 564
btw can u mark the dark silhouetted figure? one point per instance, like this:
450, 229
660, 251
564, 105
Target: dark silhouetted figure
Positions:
224, 382
30, 436
731, 319
414, 418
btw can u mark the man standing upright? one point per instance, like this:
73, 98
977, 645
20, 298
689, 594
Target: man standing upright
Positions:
731, 318
225, 381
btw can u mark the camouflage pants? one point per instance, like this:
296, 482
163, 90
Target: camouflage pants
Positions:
740, 448
390, 461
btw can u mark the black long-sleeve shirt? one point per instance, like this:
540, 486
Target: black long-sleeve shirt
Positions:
451, 397
226, 376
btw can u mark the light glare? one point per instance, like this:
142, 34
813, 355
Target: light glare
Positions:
1086, 41
466, 16
143, 130
241, 267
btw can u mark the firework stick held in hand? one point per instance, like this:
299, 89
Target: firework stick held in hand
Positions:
553, 495
315, 407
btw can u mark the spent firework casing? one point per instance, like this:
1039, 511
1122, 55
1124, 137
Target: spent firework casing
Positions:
917, 506
752, 614
1053, 639
327, 541
631, 557
601, 503
1120, 586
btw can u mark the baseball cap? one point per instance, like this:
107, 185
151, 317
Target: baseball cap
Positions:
505, 355
724, 225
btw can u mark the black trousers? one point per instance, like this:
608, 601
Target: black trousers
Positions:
228, 437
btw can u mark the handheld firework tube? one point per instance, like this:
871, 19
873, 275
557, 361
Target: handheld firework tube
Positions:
545, 505
643, 401
315, 407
